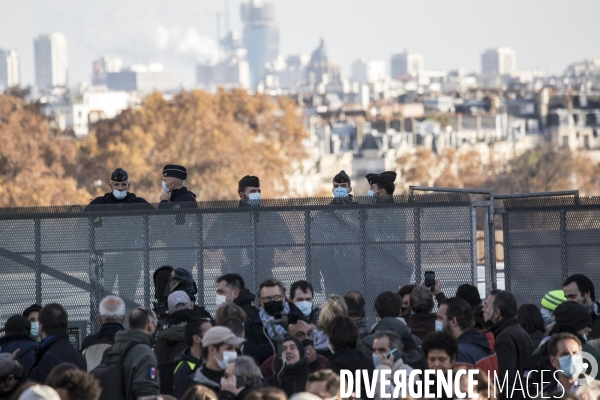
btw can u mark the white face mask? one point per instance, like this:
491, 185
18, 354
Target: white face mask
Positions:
220, 300
228, 356
119, 194
254, 196
164, 186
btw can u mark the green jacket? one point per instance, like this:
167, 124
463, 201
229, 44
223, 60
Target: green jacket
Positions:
140, 367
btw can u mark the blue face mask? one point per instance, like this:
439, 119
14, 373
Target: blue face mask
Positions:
35, 327
340, 192
164, 186
376, 359
546, 315
371, 195
571, 365
439, 326
254, 199
305, 307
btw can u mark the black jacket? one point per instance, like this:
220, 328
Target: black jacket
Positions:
181, 195
108, 198
536, 338
352, 359
293, 377
184, 363
257, 344
245, 300
26, 356
171, 342
363, 331
225, 395
513, 347
52, 351
107, 330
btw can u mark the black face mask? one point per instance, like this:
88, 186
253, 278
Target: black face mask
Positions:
308, 342
273, 307
402, 309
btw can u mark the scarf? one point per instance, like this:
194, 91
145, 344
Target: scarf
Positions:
266, 321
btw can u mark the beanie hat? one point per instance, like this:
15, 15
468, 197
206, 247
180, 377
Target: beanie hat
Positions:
553, 299
572, 315
17, 325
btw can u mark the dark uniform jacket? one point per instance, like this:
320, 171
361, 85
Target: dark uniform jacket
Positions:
140, 368
245, 300
180, 195
54, 350
108, 198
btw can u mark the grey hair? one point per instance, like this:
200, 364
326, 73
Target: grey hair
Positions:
421, 300
112, 308
245, 365
394, 339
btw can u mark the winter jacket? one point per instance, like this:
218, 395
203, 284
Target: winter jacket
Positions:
476, 351
267, 367
140, 368
107, 330
421, 324
54, 350
389, 389
181, 195
293, 377
245, 300
512, 346
257, 344
352, 359
536, 338
94, 346
363, 331
184, 363
225, 395
26, 356
171, 342
201, 377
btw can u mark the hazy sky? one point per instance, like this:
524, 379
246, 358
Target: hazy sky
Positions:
547, 34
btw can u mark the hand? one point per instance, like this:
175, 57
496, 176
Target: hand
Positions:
230, 385
437, 288
165, 196
387, 360
311, 353
15, 353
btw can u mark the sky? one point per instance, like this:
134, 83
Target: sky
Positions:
547, 34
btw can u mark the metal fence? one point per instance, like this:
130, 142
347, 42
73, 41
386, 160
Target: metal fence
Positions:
76, 255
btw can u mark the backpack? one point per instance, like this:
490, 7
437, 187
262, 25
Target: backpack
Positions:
110, 374
94, 354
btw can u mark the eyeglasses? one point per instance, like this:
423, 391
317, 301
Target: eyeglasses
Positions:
269, 298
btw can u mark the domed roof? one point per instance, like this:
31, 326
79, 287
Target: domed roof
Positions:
321, 54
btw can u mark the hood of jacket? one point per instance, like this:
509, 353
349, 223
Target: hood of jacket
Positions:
393, 324
245, 297
126, 338
173, 330
185, 355
483, 340
201, 379
297, 370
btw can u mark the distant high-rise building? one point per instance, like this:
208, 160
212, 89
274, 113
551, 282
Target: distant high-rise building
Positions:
261, 36
406, 64
9, 69
369, 71
103, 66
498, 61
144, 78
51, 64
232, 72
323, 66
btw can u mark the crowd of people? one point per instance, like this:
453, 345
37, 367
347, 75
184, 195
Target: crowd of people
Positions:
279, 344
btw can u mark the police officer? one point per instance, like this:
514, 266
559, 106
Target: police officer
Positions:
342, 189
249, 191
382, 187
173, 185
119, 183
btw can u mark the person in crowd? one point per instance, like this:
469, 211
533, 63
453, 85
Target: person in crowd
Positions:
231, 289
112, 317
229, 310
55, 347
260, 332
73, 384
12, 376
342, 334
292, 370
171, 337
181, 279
140, 366
470, 293
325, 384
302, 295
32, 313
381, 186
404, 293
422, 320
356, 312
475, 349
119, 194
199, 392
267, 393
441, 352
550, 301
303, 332
186, 361
333, 307
173, 185
512, 344
242, 376
219, 348
342, 189
595, 343
17, 336
580, 289
304, 396
235, 325
38, 392
387, 352
530, 319
249, 191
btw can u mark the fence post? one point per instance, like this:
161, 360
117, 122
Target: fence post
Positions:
564, 260
506, 233
96, 276
307, 245
486, 250
200, 257
417, 241
474, 246
492, 240
146, 238
253, 219
362, 216
38, 261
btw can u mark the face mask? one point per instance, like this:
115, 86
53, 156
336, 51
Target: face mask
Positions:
164, 186
35, 328
273, 307
439, 326
330, 348
220, 300
376, 359
546, 316
254, 197
340, 192
119, 194
305, 307
371, 195
571, 365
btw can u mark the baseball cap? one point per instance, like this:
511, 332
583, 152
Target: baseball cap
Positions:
220, 334
178, 300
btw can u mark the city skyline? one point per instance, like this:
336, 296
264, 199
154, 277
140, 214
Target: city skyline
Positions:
181, 36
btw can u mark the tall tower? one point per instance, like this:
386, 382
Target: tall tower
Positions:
261, 36
9, 69
51, 64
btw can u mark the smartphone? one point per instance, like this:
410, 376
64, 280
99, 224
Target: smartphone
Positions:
393, 352
430, 280
239, 381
